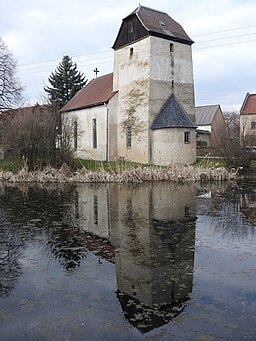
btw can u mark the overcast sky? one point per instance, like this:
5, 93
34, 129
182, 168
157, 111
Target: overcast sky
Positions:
40, 32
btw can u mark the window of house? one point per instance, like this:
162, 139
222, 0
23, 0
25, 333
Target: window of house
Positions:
253, 125
94, 132
187, 137
131, 52
75, 135
171, 48
129, 137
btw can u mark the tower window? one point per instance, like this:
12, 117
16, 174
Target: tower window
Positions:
172, 84
171, 47
94, 133
187, 137
161, 23
129, 137
131, 52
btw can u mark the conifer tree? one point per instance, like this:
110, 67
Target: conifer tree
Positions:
65, 82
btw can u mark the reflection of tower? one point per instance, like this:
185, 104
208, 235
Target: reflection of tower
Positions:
155, 258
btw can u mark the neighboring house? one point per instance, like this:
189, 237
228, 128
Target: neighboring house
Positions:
210, 124
248, 118
145, 110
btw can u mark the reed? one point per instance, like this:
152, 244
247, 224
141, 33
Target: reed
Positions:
121, 174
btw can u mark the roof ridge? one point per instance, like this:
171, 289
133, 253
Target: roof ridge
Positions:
207, 105
150, 8
107, 74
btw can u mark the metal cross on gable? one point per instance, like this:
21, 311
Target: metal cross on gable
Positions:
96, 71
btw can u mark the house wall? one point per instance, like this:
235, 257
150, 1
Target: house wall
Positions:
245, 125
218, 128
171, 71
203, 138
84, 119
131, 79
112, 124
168, 146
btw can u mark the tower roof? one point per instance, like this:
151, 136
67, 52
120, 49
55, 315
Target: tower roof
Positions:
156, 23
160, 22
172, 115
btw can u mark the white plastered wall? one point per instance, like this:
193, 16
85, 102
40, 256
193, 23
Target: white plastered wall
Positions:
168, 146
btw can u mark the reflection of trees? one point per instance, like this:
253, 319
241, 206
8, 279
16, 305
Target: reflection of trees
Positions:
11, 245
67, 246
30, 211
232, 210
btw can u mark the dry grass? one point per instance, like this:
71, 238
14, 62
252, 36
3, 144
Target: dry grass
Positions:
175, 173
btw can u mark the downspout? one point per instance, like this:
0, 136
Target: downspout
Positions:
107, 133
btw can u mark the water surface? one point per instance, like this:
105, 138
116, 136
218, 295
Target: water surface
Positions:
150, 262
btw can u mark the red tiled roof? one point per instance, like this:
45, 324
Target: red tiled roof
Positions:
96, 92
249, 105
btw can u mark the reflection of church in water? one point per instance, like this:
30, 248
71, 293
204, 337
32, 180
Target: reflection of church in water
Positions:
152, 229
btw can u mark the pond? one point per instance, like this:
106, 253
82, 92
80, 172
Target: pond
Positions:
150, 262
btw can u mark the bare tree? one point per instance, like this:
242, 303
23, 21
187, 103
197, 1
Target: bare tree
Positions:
230, 147
232, 123
10, 89
32, 134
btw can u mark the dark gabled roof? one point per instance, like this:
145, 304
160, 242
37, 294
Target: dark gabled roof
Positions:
172, 115
205, 114
249, 104
97, 92
158, 24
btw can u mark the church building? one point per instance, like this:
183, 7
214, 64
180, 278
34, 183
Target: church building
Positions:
145, 110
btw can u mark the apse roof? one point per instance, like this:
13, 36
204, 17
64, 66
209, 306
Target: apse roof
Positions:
172, 115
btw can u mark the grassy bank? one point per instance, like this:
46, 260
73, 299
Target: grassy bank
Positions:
120, 165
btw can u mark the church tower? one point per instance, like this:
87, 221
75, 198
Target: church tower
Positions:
153, 73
